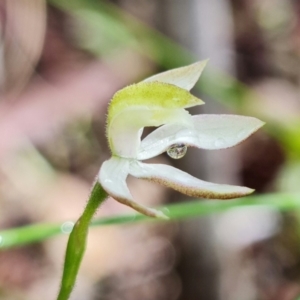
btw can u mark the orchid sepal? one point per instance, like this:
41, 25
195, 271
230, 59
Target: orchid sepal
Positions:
210, 132
183, 77
112, 176
186, 183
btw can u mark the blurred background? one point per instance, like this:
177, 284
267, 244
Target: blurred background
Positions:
60, 63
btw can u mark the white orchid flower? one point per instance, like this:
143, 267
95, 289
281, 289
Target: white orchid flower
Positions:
161, 101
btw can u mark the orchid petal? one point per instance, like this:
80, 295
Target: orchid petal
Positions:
185, 183
184, 77
210, 132
140, 105
112, 177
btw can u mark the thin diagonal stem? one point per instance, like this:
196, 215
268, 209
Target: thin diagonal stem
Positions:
77, 242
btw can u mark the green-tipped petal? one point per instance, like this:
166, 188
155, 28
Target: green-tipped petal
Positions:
141, 105
152, 95
185, 183
184, 77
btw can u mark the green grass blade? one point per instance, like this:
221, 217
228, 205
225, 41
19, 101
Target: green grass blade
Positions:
27, 234
35, 233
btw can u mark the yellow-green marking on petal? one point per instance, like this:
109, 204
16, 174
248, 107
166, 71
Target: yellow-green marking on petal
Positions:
144, 104
153, 95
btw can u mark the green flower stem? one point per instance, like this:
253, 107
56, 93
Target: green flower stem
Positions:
77, 242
